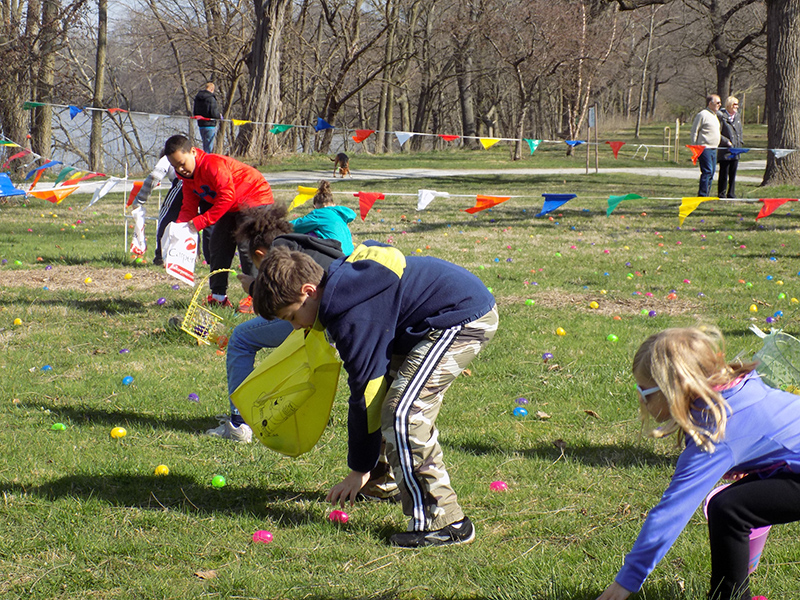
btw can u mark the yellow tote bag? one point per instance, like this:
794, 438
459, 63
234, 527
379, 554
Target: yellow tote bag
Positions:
287, 399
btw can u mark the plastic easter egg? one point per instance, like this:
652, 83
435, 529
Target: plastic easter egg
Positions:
193, 397
498, 486
794, 300
58, 427
176, 287
521, 400
124, 351
127, 276
520, 411
47, 368
594, 305
547, 356
339, 516
770, 320
17, 321
529, 302
769, 277
560, 331
687, 281
781, 296
753, 308
779, 282
87, 280
218, 481
118, 432
127, 380
161, 301
611, 337
262, 537
604, 292
162, 470
748, 284
652, 313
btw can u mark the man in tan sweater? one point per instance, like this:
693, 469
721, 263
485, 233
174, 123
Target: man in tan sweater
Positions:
707, 131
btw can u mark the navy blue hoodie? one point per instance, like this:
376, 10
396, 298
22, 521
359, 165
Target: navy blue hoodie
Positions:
377, 303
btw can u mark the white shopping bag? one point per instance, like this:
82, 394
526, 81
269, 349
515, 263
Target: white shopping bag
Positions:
179, 248
138, 243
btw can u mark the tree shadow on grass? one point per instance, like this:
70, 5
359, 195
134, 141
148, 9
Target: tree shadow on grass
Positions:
597, 455
82, 414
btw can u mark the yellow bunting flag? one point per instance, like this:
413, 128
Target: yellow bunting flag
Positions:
689, 204
305, 194
54, 196
489, 142
238, 122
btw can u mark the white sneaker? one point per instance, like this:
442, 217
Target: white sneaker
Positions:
228, 431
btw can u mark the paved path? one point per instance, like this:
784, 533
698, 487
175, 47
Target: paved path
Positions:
312, 177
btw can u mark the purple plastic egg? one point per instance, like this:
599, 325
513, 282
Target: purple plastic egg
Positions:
161, 301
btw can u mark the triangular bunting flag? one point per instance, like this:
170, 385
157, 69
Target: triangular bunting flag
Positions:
84, 178
54, 196
9, 144
362, 134
484, 202
137, 185
305, 194
322, 124
689, 204
781, 152
74, 178
488, 142
449, 138
573, 143
403, 136
696, 151
14, 157
276, 129
238, 122
738, 151
30, 105
112, 111
425, 197
553, 201
770, 204
533, 144
63, 174
52, 163
615, 146
613, 201
195, 117
366, 200
36, 179
102, 191
74, 111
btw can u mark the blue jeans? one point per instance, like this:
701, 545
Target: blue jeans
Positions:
708, 164
246, 340
207, 134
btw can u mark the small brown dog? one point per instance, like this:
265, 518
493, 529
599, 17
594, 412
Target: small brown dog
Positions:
342, 163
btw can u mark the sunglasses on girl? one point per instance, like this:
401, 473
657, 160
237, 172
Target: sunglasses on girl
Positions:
643, 394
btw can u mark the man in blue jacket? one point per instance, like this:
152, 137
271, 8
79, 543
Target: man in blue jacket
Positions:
405, 327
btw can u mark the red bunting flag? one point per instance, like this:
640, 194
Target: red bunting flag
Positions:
137, 185
615, 146
74, 180
362, 134
14, 157
696, 151
196, 117
111, 111
449, 138
484, 202
770, 205
366, 200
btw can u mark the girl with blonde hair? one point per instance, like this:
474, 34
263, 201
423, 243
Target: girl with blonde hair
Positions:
732, 424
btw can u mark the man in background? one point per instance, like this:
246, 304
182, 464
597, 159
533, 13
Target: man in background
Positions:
205, 105
707, 131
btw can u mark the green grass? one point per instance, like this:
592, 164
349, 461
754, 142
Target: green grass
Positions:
83, 516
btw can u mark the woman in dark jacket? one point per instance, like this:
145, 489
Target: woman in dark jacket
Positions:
732, 138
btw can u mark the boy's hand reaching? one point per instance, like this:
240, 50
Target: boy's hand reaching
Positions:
347, 489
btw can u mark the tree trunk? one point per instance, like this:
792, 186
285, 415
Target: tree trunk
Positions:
466, 99
263, 101
96, 140
42, 130
783, 90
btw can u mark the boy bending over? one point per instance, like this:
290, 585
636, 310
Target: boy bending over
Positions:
405, 327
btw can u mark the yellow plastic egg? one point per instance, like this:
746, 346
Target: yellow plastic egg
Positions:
594, 305
118, 432
162, 470
560, 331
753, 308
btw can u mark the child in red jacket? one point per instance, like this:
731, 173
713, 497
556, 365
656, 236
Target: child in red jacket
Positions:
229, 186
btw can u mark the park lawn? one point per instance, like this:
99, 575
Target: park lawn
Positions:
84, 516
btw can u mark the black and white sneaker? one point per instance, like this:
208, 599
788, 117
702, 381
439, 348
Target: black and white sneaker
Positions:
461, 532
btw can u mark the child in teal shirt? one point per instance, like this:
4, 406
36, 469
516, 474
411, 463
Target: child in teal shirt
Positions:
327, 221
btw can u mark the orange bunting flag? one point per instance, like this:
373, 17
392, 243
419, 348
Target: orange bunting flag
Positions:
488, 142
449, 138
362, 134
615, 146
770, 205
696, 151
54, 196
111, 111
366, 200
689, 204
137, 185
484, 202
36, 179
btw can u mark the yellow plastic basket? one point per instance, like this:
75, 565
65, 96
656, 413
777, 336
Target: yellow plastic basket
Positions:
199, 322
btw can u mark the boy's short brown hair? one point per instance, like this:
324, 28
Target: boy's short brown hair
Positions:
281, 278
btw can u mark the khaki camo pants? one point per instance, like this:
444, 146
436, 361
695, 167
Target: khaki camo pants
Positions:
408, 419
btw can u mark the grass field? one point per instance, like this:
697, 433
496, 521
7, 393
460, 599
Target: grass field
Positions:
84, 516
